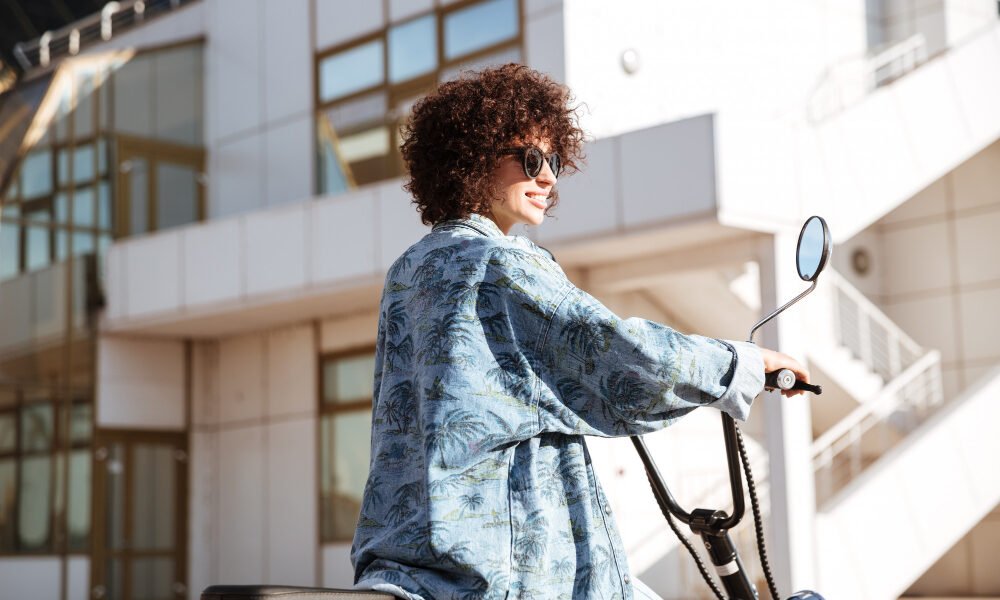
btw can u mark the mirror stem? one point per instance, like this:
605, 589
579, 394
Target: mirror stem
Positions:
778, 311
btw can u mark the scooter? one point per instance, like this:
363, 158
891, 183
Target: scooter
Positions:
711, 525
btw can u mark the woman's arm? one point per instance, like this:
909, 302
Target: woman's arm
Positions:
598, 374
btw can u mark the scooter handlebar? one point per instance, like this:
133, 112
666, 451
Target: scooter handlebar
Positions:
785, 380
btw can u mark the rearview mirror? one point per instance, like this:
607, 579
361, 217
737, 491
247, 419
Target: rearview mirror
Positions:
813, 250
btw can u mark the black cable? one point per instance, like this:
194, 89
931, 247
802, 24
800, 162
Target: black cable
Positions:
757, 521
687, 543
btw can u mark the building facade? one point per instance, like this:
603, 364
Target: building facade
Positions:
199, 201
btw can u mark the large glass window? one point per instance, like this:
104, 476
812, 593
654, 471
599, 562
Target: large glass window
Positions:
105, 146
45, 462
345, 441
366, 87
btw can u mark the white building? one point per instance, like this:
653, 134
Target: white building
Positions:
200, 201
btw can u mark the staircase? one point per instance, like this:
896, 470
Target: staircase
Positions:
906, 472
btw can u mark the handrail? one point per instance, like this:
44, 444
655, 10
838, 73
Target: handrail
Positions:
96, 27
886, 401
871, 310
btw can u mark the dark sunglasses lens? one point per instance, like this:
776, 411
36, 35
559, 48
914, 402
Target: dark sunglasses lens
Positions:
555, 163
533, 162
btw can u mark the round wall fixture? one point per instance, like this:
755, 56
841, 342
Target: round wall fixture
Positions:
630, 61
861, 261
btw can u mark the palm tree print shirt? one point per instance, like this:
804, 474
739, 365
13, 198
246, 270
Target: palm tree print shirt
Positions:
491, 367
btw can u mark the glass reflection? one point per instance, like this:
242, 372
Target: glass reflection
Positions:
34, 502
412, 48
153, 494
152, 578
346, 443
351, 70
349, 379
177, 195
479, 26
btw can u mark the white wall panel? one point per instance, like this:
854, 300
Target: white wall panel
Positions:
152, 270
212, 266
978, 85
938, 332
287, 59
234, 67
978, 248
980, 325
236, 184
399, 222
241, 378
205, 383
347, 333
916, 258
203, 517
276, 248
668, 171
289, 154
291, 371
589, 201
337, 569
140, 383
928, 202
29, 577
78, 578
335, 24
976, 182
242, 509
937, 129
292, 502
343, 244
544, 44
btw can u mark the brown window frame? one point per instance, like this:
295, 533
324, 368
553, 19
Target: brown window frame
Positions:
396, 92
331, 410
60, 446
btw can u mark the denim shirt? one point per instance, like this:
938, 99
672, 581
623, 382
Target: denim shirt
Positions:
490, 369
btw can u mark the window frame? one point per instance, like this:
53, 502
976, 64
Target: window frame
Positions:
395, 92
61, 446
331, 410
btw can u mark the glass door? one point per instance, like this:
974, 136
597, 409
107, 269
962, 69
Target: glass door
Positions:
140, 516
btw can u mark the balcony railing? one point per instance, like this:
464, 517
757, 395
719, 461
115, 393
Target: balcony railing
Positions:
99, 27
911, 393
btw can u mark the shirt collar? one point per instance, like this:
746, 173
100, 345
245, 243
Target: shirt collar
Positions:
476, 222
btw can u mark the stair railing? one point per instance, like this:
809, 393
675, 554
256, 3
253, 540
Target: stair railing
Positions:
842, 452
871, 336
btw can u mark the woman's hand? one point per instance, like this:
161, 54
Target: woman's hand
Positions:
775, 361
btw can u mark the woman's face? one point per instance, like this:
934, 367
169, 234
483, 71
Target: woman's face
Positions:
522, 199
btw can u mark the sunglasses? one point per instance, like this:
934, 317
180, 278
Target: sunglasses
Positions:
532, 160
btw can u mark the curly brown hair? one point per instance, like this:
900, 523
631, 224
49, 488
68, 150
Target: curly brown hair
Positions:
452, 141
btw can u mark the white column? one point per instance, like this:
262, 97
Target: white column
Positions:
788, 426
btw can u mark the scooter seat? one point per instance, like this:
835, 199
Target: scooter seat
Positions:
287, 592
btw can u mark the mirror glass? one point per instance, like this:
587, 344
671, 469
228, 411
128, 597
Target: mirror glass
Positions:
813, 249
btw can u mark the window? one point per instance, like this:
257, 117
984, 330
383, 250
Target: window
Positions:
365, 88
45, 448
345, 441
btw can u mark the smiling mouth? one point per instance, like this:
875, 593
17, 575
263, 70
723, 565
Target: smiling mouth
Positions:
538, 200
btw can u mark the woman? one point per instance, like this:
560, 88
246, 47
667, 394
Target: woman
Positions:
491, 367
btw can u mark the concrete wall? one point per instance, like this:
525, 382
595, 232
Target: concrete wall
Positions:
936, 255
969, 568
253, 515
702, 57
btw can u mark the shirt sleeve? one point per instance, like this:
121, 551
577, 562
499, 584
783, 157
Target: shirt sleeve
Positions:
598, 374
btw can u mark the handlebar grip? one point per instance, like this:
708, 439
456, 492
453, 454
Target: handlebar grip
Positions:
785, 380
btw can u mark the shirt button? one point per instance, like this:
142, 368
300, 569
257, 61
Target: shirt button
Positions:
607, 509
627, 580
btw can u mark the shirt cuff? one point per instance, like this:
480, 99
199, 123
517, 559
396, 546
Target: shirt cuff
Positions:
747, 380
